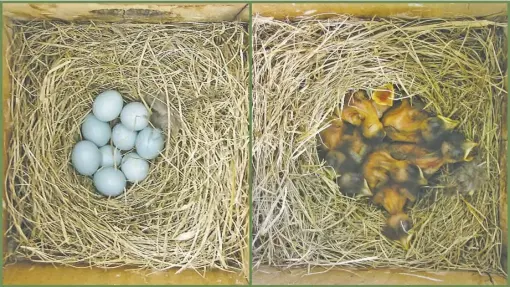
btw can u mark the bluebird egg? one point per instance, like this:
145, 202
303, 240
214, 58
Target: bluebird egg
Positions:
86, 157
95, 130
123, 138
110, 156
109, 181
134, 167
149, 143
107, 105
134, 116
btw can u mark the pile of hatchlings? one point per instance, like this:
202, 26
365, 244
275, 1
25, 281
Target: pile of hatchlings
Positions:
387, 150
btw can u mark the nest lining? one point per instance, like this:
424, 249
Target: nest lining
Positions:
303, 69
192, 210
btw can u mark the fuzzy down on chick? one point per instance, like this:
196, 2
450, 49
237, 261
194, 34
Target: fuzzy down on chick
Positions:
406, 123
393, 200
165, 118
380, 167
360, 111
453, 150
466, 179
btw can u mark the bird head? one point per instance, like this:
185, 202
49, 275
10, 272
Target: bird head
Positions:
397, 228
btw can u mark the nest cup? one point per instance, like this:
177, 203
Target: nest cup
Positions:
191, 210
303, 69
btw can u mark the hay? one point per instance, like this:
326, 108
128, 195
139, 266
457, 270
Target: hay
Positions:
192, 210
302, 70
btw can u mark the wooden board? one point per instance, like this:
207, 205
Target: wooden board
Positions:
6, 128
444, 10
503, 198
338, 276
45, 274
120, 12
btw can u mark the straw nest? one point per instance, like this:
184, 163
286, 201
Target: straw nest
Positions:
302, 70
192, 210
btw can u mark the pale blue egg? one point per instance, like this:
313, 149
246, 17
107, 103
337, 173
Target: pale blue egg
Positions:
134, 116
149, 143
123, 138
107, 105
109, 181
86, 157
134, 167
95, 130
110, 156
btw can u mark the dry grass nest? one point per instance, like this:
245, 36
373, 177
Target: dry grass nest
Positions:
192, 211
303, 69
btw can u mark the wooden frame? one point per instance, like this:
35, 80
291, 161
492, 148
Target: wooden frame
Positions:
268, 275
25, 273
30, 274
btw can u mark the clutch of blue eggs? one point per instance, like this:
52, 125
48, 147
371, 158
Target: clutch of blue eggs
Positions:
120, 155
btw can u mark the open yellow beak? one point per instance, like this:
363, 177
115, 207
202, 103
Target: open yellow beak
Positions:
406, 242
384, 95
467, 147
422, 180
365, 191
449, 123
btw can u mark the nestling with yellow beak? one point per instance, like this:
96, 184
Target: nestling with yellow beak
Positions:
344, 149
393, 200
360, 111
380, 167
454, 149
382, 99
405, 123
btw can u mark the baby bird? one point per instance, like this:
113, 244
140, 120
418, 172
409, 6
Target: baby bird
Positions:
380, 167
339, 161
397, 228
350, 180
345, 138
346, 160
344, 150
360, 111
332, 135
354, 145
373, 130
392, 199
356, 108
454, 149
382, 99
435, 129
406, 123
466, 179
354, 184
